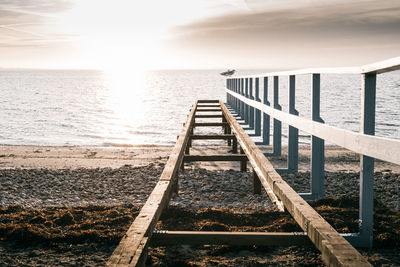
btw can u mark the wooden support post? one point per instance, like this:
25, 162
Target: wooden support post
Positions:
277, 148
234, 146
246, 106
266, 117
251, 109
293, 149
317, 146
368, 95
257, 126
243, 163
256, 184
190, 140
242, 107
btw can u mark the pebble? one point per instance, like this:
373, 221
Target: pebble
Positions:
198, 188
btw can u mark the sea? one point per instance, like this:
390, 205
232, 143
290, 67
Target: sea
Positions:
119, 108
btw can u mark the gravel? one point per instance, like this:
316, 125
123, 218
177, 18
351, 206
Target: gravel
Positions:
198, 188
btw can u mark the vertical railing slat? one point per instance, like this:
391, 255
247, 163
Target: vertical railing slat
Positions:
266, 117
368, 95
293, 147
277, 138
257, 127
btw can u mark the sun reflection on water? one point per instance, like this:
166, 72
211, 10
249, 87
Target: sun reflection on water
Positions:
126, 96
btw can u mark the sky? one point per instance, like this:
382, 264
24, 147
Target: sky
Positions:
197, 34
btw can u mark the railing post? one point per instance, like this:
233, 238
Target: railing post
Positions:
257, 127
277, 147
293, 149
251, 111
266, 117
246, 107
317, 144
368, 96
242, 93
235, 99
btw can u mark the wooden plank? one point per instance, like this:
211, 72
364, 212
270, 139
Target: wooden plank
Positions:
209, 116
133, 246
208, 110
336, 251
210, 124
192, 158
212, 137
208, 106
162, 238
368, 145
207, 101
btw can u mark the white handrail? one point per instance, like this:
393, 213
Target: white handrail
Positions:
369, 145
377, 67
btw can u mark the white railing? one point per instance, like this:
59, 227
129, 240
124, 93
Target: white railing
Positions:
240, 98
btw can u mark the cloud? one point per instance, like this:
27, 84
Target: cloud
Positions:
27, 23
327, 29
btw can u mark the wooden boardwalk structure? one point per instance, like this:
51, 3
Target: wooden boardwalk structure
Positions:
132, 250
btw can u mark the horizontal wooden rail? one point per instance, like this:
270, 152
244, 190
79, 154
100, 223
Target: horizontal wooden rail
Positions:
213, 137
369, 145
163, 238
192, 158
378, 67
335, 250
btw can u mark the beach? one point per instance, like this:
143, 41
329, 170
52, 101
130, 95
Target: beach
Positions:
73, 204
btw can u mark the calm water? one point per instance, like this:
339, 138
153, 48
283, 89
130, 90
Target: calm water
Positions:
44, 107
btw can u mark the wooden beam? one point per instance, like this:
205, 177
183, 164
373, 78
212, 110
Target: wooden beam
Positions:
208, 106
209, 116
132, 250
207, 101
212, 136
208, 109
162, 238
336, 251
210, 124
192, 158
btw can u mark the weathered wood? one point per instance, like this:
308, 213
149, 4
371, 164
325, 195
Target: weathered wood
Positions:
208, 109
212, 136
207, 101
208, 106
209, 116
162, 238
131, 251
336, 251
210, 124
230, 157
256, 184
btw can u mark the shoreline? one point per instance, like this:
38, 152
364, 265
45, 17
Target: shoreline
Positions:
73, 157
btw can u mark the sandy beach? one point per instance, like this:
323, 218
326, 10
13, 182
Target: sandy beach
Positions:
73, 204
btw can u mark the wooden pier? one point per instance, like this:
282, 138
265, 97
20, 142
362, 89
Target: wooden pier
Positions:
132, 250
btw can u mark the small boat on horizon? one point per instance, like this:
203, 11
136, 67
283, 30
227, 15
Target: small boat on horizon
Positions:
228, 72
